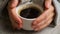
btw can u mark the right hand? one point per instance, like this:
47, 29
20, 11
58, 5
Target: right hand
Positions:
45, 18
16, 20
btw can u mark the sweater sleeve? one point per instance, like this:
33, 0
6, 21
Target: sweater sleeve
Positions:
57, 9
2, 6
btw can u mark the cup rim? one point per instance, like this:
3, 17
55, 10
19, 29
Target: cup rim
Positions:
31, 5
27, 18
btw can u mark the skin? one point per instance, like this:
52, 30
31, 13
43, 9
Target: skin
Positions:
17, 22
45, 18
40, 23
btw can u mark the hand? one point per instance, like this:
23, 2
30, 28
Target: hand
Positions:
45, 18
16, 21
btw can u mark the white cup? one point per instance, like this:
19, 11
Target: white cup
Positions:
27, 22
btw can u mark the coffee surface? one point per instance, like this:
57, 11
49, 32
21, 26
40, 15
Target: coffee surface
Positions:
30, 13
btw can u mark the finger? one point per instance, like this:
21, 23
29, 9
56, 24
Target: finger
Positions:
43, 21
17, 22
50, 15
15, 17
43, 16
15, 25
13, 3
48, 3
44, 25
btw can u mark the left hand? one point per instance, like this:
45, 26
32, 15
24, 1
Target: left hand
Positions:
15, 19
45, 18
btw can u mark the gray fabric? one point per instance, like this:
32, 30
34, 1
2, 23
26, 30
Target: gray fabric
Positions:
47, 30
56, 30
2, 6
57, 7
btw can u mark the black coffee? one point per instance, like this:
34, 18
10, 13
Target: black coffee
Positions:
30, 13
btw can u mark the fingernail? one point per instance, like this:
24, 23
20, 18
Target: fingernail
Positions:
17, 22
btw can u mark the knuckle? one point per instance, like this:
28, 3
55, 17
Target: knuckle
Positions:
37, 21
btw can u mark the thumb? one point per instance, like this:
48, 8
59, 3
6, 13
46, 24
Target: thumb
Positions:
48, 3
13, 3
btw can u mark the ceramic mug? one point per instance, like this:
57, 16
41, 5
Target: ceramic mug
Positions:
27, 22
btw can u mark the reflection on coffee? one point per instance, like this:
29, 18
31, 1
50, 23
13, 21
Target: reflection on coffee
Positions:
30, 13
